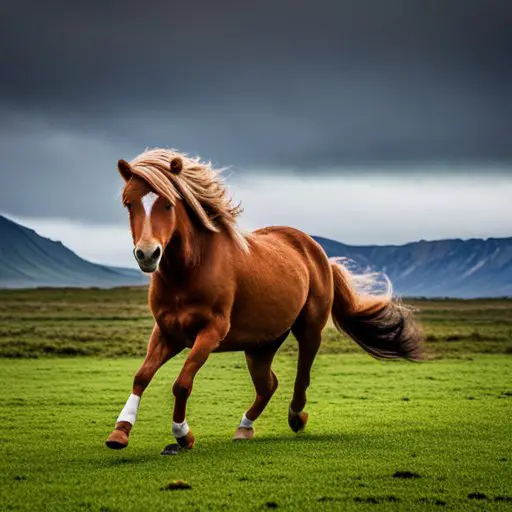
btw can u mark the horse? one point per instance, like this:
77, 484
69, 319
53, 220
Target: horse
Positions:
215, 288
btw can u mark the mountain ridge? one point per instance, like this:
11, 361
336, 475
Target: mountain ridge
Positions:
28, 260
440, 268
455, 268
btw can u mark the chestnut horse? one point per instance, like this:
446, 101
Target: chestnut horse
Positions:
214, 288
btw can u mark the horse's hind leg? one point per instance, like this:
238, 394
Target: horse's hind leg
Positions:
309, 335
265, 382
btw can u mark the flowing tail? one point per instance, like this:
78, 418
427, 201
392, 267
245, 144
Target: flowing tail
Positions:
381, 325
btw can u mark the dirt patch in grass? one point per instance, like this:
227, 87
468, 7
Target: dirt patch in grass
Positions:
176, 485
406, 474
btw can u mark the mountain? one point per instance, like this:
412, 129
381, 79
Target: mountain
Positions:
444, 268
28, 260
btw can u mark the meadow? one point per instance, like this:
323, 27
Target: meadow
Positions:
117, 322
382, 436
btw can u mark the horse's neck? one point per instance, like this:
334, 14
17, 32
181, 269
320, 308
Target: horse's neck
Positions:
186, 251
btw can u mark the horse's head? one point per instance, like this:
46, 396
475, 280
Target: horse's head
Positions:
152, 216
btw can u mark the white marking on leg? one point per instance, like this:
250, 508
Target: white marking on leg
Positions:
148, 202
129, 412
180, 429
246, 422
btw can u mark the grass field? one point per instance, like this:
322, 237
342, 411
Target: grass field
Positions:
445, 423
114, 323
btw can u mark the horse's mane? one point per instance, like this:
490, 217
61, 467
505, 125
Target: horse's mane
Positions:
198, 184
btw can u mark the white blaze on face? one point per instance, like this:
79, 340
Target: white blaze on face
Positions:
148, 202
148, 250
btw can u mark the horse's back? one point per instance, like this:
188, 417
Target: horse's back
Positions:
320, 289
285, 273
290, 240
276, 266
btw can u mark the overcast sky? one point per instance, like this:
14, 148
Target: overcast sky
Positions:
368, 121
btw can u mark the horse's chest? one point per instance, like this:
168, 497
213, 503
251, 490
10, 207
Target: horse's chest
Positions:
180, 321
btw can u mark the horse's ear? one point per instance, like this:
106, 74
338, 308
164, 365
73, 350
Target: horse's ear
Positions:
124, 169
176, 165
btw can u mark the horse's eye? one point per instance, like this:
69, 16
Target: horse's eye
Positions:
128, 206
168, 206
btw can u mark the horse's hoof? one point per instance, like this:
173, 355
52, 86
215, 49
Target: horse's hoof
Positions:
119, 437
243, 434
117, 440
187, 441
297, 421
171, 449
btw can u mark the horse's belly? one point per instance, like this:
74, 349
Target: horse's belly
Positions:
266, 308
264, 317
238, 341
258, 332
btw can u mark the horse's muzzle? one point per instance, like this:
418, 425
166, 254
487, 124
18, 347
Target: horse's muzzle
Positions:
148, 257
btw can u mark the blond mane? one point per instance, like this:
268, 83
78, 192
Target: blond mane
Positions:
198, 184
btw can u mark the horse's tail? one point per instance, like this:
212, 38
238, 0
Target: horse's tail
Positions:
380, 324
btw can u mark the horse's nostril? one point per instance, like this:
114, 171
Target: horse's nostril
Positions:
139, 254
156, 254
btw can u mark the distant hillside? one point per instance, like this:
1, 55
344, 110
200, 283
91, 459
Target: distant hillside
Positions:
444, 268
28, 260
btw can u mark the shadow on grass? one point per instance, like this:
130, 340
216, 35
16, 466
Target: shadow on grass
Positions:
304, 437
211, 447
127, 459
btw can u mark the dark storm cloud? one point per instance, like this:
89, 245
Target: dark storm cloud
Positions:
281, 84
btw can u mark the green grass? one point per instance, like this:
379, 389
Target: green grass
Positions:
448, 421
114, 323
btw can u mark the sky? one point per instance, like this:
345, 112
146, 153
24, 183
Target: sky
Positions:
368, 122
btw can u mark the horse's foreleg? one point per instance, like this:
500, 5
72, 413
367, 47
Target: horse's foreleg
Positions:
206, 342
159, 351
265, 382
